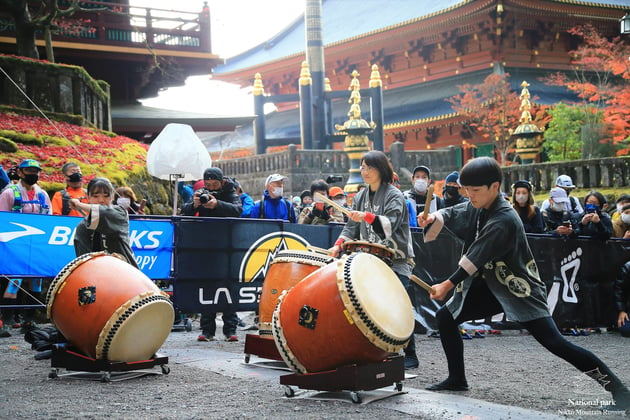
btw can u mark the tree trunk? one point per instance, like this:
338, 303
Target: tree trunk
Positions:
24, 31
50, 55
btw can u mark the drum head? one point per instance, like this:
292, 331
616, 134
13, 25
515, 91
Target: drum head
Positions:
137, 332
378, 300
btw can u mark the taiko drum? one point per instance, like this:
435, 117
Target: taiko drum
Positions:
353, 311
287, 269
109, 309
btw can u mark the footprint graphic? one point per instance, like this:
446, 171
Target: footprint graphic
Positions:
569, 267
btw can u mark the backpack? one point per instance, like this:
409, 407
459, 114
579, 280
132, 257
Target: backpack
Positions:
65, 201
18, 202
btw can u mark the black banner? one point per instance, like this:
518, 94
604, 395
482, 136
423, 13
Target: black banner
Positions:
221, 263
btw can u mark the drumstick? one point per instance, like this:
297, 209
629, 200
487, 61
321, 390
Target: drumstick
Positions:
427, 202
317, 249
423, 284
332, 203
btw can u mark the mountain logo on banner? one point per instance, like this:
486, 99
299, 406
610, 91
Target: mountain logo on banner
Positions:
28, 230
259, 256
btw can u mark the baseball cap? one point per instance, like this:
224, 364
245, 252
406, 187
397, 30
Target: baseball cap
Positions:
565, 181
558, 195
213, 173
29, 163
274, 178
333, 191
423, 169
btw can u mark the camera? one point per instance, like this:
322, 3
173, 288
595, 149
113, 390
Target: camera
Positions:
332, 179
204, 195
590, 208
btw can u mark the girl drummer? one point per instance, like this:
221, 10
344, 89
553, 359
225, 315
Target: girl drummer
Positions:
105, 226
379, 215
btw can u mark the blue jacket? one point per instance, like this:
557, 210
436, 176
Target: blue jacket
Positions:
248, 204
274, 208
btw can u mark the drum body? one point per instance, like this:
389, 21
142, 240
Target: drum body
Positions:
384, 253
109, 309
353, 311
287, 269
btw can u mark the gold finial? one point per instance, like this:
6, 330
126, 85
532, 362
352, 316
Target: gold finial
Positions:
525, 104
258, 85
375, 77
327, 87
305, 75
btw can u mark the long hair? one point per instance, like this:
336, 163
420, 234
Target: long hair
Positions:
378, 160
528, 208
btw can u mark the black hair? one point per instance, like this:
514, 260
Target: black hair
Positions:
599, 196
379, 161
103, 185
319, 185
480, 171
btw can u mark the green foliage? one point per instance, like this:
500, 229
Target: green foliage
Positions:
24, 138
562, 137
7, 145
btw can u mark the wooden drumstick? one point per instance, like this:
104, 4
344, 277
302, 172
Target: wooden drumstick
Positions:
332, 203
317, 249
427, 202
426, 286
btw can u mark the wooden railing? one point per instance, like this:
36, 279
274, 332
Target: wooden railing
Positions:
123, 25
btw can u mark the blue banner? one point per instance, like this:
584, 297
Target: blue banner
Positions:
40, 245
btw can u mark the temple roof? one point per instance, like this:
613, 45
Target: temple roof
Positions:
344, 20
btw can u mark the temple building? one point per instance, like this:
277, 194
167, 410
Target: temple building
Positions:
424, 51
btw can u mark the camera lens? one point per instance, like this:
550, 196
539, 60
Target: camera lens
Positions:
204, 198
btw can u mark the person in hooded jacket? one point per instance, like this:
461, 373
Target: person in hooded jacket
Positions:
450, 192
273, 205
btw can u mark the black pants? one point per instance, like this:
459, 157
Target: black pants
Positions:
481, 303
209, 326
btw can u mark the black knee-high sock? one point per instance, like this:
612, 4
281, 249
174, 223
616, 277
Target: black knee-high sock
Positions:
452, 344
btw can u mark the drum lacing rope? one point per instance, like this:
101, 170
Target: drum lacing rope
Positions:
357, 306
123, 317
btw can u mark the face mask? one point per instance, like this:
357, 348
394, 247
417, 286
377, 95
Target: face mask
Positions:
591, 208
451, 191
619, 208
277, 191
31, 179
124, 202
75, 177
625, 217
420, 185
341, 201
557, 207
521, 198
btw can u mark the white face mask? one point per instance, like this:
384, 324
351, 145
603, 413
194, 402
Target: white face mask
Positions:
619, 208
278, 191
124, 202
557, 206
521, 198
625, 217
341, 201
420, 185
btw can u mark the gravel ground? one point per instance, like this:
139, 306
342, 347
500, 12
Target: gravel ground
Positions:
509, 369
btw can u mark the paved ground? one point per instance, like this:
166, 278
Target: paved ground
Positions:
511, 377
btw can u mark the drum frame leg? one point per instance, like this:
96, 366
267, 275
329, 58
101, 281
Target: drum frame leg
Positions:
72, 360
351, 378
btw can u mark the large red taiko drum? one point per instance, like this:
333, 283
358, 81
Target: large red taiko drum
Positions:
353, 311
286, 270
109, 309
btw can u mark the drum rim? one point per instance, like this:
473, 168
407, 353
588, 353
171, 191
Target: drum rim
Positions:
60, 278
370, 330
120, 315
281, 342
375, 244
305, 257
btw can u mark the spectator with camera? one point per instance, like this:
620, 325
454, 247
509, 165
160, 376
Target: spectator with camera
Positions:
320, 213
556, 218
573, 206
595, 222
217, 198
